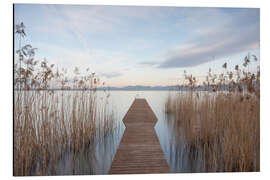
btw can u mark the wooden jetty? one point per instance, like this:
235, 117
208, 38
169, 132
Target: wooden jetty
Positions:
139, 151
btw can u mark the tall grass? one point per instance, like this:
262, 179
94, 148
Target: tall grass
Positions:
47, 125
51, 126
222, 127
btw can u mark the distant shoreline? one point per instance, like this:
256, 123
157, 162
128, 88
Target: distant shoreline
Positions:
133, 88
97, 90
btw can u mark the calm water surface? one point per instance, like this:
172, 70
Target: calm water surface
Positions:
176, 151
98, 158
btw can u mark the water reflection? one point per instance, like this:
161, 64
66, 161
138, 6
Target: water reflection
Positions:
171, 136
98, 156
94, 159
177, 150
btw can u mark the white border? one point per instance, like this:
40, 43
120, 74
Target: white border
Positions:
6, 84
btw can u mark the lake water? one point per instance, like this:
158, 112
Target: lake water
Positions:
98, 159
176, 151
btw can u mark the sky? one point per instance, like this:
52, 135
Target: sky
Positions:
140, 45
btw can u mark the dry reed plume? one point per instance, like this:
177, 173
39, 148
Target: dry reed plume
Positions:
222, 124
49, 124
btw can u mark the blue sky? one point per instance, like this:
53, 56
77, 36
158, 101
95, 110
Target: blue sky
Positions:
133, 45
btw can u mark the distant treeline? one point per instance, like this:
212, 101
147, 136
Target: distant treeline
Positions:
140, 88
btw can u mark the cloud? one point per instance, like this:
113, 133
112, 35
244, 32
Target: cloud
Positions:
227, 35
149, 63
97, 60
100, 18
111, 74
92, 25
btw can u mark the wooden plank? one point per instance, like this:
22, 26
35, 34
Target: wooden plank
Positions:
139, 150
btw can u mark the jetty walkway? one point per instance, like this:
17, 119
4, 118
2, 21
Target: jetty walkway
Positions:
139, 151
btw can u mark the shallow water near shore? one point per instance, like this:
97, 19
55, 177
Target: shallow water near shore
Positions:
97, 157
175, 150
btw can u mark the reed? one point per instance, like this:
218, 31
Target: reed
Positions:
223, 125
49, 125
